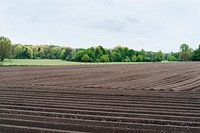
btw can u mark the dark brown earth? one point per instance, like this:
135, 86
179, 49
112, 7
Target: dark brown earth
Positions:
160, 97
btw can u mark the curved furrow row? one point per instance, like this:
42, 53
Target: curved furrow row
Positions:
106, 98
109, 115
119, 112
132, 105
7, 128
102, 94
107, 112
51, 125
131, 114
99, 99
96, 126
136, 110
119, 102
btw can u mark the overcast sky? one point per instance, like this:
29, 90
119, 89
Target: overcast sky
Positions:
150, 24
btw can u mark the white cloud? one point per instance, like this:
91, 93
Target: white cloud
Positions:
149, 24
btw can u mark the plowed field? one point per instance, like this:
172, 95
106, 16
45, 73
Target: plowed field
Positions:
160, 97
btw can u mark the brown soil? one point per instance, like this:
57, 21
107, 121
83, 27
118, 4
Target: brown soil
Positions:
160, 97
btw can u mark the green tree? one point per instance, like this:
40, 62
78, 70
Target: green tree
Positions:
171, 58
121, 52
99, 52
126, 51
67, 54
139, 58
159, 56
131, 53
196, 55
40, 53
91, 55
146, 59
176, 55
5, 48
104, 58
118, 57
47, 51
150, 55
85, 58
18, 52
35, 51
143, 53
127, 59
55, 52
63, 55
112, 55
28, 53
134, 58
79, 55
185, 52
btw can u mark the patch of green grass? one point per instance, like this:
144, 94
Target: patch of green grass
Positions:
49, 62
38, 62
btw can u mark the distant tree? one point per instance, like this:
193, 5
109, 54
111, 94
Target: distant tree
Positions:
134, 58
99, 52
146, 59
28, 53
158, 56
18, 52
184, 47
67, 54
35, 51
151, 56
85, 58
176, 55
126, 52
139, 58
91, 55
118, 57
40, 53
171, 58
165, 56
127, 59
104, 58
55, 52
185, 52
112, 55
131, 53
12, 51
63, 55
143, 53
196, 55
105, 52
79, 55
47, 51
121, 52
5, 48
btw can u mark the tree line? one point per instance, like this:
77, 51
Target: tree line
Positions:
93, 54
